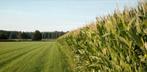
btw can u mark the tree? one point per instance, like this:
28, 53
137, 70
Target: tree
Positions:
19, 35
23, 35
4, 34
13, 35
37, 36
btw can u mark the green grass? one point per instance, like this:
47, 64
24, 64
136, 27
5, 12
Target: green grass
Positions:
32, 57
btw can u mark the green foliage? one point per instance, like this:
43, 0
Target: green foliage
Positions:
4, 35
37, 36
11, 35
117, 43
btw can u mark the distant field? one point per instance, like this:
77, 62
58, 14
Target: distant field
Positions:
25, 40
31, 57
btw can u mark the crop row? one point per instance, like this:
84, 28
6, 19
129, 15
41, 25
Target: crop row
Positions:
114, 43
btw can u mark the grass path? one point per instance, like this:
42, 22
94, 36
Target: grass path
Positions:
31, 57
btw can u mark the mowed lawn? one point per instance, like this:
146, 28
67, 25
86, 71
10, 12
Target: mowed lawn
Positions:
31, 57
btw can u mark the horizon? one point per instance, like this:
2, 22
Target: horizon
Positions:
31, 31
58, 15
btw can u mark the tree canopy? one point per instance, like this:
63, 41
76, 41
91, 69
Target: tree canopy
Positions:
37, 36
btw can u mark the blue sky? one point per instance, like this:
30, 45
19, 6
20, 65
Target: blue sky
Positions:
54, 15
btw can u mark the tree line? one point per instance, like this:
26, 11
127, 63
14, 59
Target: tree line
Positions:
37, 35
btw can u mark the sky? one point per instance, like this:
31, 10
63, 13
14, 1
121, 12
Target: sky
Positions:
55, 15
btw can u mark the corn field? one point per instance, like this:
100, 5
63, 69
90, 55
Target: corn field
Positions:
114, 43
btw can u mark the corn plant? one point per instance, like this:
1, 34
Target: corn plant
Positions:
115, 43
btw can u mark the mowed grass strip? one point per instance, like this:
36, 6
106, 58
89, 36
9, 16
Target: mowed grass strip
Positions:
31, 57
10, 56
10, 47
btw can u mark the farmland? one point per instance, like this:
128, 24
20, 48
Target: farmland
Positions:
114, 43
31, 57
